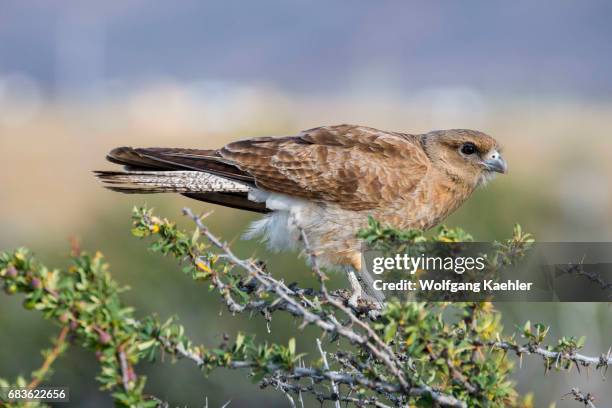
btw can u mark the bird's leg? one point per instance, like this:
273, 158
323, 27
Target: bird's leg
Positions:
361, 298
356, 286
365, 295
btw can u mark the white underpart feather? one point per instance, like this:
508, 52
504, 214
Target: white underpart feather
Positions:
486, 177
279, 228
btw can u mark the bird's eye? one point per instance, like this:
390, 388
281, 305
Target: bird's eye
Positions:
468, 148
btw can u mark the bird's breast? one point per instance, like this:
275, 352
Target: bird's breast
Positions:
427, 206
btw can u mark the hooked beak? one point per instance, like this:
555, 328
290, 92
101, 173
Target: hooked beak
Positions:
496, 163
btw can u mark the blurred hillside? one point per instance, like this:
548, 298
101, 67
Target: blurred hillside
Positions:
558, 151
79, 78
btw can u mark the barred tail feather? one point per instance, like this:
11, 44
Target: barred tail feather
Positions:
148, 182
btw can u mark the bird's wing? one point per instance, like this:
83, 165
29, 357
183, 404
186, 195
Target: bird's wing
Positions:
356, 167
162, 158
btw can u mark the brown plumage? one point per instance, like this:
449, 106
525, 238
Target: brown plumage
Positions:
326, 180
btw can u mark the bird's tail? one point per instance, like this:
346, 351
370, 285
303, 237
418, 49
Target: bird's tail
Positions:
168, 182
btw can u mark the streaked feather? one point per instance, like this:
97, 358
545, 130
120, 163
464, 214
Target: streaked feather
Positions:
169, 182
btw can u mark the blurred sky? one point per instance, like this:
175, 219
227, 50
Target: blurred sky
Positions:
96, 49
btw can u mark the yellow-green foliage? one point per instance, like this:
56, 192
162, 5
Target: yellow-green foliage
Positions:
444, 348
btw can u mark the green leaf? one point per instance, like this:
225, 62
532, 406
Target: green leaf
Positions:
147, 344
239, 341
390, 331
138, 232
292, 346
195, 237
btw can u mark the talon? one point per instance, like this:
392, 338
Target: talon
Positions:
354, 300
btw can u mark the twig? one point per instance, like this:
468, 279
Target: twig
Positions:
394, 384
386, 355
289, 397
334, 386
55, 352
587, 399
321, 397
298, 372
125, 376
302, 307
578, 269
602, 361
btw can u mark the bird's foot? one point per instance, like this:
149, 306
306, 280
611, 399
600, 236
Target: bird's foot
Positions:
361, 301
357, 291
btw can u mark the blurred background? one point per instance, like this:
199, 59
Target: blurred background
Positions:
78, 78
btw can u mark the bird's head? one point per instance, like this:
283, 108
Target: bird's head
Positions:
471, 155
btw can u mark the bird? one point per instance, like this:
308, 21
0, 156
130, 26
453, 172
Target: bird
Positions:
323, 183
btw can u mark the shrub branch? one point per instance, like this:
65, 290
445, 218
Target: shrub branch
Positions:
406, 354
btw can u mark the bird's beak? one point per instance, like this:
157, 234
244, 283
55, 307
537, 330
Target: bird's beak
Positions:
496, 163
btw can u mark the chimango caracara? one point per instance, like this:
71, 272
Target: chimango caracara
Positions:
326, 181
